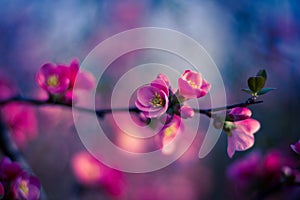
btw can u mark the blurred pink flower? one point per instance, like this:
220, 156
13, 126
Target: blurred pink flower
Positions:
92, 173
2, 192
7, 88
272, 165
60, 79
240, 113
256, 174
296, 147
192, 85
53, 79
241, 135
244, 170
169, 131
9, 170
152, 99
186, 112
18, 183
22, 122
84, 80
26, 187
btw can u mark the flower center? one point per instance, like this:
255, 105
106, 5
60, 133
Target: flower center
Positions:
24, 187
192, 84
53, 81
157, 101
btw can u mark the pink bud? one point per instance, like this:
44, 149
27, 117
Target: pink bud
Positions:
186, 112
240, 113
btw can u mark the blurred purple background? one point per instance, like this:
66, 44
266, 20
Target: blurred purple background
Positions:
241, 37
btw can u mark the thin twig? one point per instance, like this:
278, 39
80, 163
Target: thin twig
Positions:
208, 112
102, 112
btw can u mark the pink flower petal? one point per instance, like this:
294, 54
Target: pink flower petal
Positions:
161, 85
296, 147
193, 76
186, 89
248, 126
145, 94
85, 80
165, 79
242, 137
74, 68
205, 87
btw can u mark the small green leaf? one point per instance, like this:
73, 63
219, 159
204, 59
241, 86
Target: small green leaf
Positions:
262, 73
265, 90
256, 83
247, 91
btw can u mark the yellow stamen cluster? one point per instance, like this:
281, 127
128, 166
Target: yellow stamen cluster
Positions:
157, 101
24, 187
53, 81
192, 84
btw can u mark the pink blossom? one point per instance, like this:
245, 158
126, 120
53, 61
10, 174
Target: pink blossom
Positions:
152, 99
53, 79
26, 187
22, 122
186, 112
92, 173
240, 113
192, 85
241, 135
296, 147
60, 79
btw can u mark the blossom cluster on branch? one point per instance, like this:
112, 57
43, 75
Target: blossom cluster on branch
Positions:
158, 100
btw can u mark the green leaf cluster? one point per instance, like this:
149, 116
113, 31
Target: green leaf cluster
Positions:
256, 84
